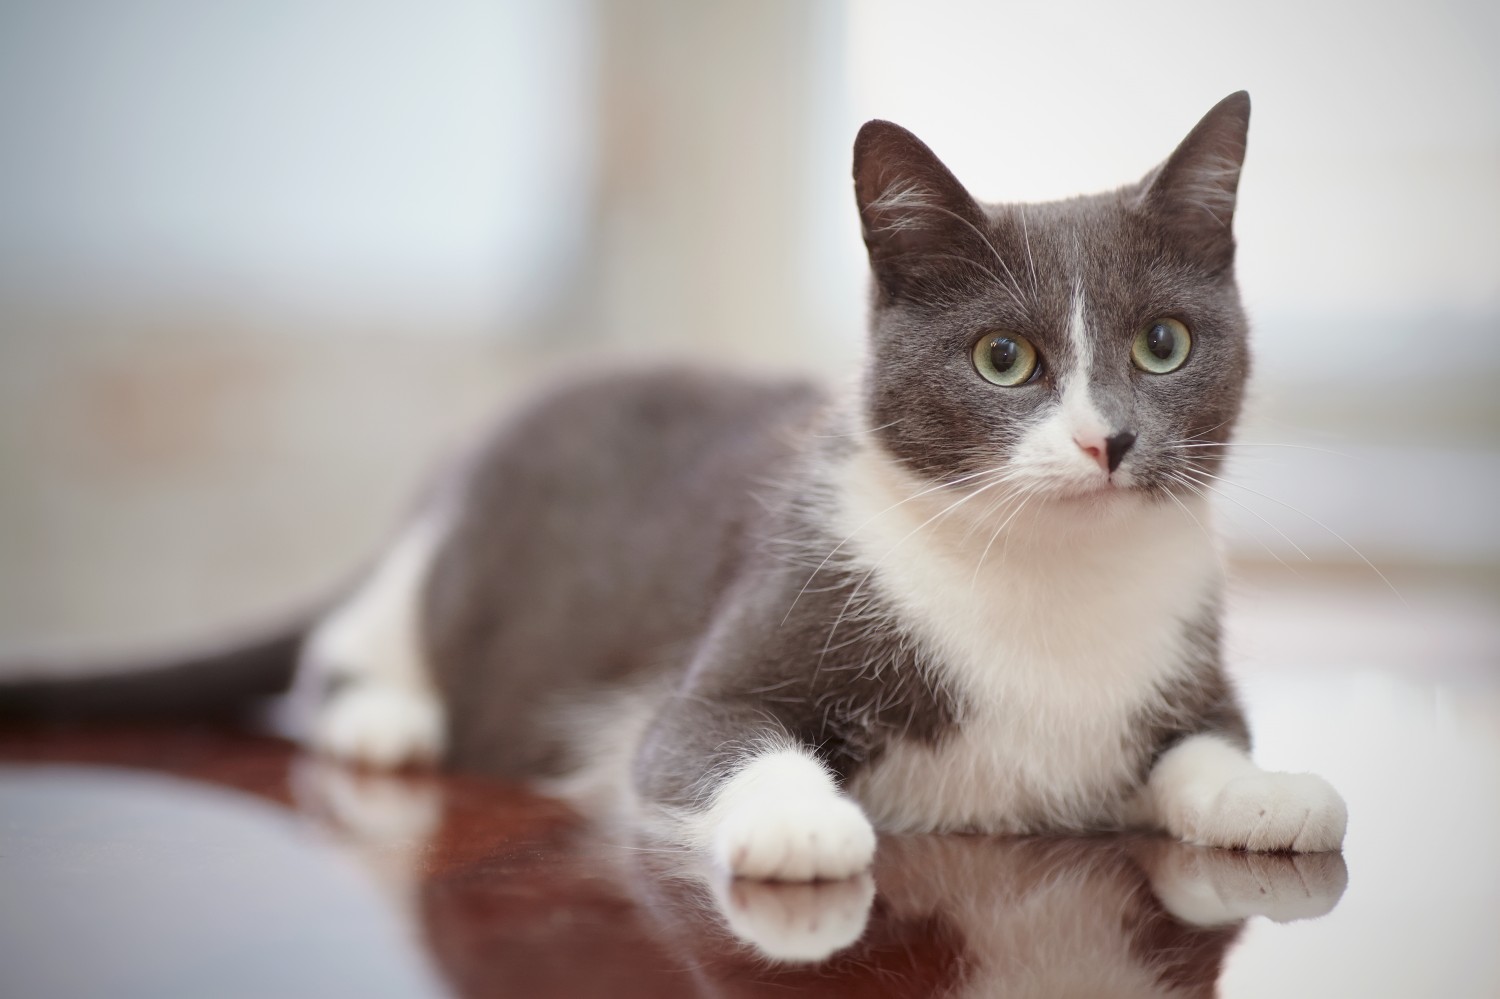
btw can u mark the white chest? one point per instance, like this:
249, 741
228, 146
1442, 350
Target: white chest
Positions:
1055, 644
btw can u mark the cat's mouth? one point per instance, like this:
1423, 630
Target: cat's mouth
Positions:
1096, 490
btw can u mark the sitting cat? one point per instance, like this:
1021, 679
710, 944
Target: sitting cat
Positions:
981, 595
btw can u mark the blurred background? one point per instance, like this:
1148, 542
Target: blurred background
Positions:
262, 263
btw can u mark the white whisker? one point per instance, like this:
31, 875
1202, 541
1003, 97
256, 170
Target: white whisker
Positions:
1030, 262
1222, 495
1182, 445
1339, 537
1000, 479
858, 433
1010, 288
1026, 498
942, 484
1198, 489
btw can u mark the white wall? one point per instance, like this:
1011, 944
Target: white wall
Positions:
378, 159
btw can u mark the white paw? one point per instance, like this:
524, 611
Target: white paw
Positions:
796, 922
799, 837
381, 725
1274, 811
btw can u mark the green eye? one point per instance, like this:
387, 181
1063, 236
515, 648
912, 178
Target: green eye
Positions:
1161, 347
1005, 359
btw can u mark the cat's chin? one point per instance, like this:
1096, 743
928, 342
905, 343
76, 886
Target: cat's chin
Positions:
1097, 505
1103, 494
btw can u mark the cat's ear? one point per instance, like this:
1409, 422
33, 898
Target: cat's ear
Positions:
918, 220
1193, 192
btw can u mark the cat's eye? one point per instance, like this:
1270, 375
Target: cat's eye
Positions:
1005, 359
1162, 346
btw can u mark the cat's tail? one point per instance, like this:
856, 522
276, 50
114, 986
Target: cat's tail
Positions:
226, 679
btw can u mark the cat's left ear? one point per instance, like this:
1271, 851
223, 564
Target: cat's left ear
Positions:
1194, 191
919, 222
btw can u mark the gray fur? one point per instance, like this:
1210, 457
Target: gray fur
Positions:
1203, 700
597, 538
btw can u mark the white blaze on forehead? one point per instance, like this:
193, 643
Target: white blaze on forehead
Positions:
1078, 410
1078, 336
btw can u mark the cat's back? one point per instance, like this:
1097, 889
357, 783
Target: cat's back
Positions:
660, 449
590, 537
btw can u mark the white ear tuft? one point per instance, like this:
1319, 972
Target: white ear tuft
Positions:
915, 214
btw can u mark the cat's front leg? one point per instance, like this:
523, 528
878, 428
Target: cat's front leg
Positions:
1205, 790
758, 802
780, 816
752, 751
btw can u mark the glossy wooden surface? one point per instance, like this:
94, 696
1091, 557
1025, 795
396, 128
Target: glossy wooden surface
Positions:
192, 862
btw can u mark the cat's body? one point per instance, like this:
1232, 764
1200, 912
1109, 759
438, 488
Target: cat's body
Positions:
981, 596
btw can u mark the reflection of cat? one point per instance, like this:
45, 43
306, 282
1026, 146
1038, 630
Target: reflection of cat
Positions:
973, 916
1046, 917
954, 916
980, 596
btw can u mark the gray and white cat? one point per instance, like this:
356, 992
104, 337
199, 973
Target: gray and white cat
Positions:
982, 595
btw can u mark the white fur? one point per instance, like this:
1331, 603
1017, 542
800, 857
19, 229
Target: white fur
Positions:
387, 712
1054, 636
903, 206
781, 817
381, 724
1206, 791
1079, 419
1080, 339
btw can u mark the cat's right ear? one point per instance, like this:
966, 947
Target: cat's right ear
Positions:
918, 220
1193, 193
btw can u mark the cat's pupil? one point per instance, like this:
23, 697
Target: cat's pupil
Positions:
1004, 354
1161, 341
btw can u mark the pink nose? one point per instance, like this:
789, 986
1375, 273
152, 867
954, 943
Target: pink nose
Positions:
1094, 447
1107, 452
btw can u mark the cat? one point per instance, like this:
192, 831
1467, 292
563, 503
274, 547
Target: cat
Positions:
981, 594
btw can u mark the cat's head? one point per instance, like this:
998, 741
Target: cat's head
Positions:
1093, 347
